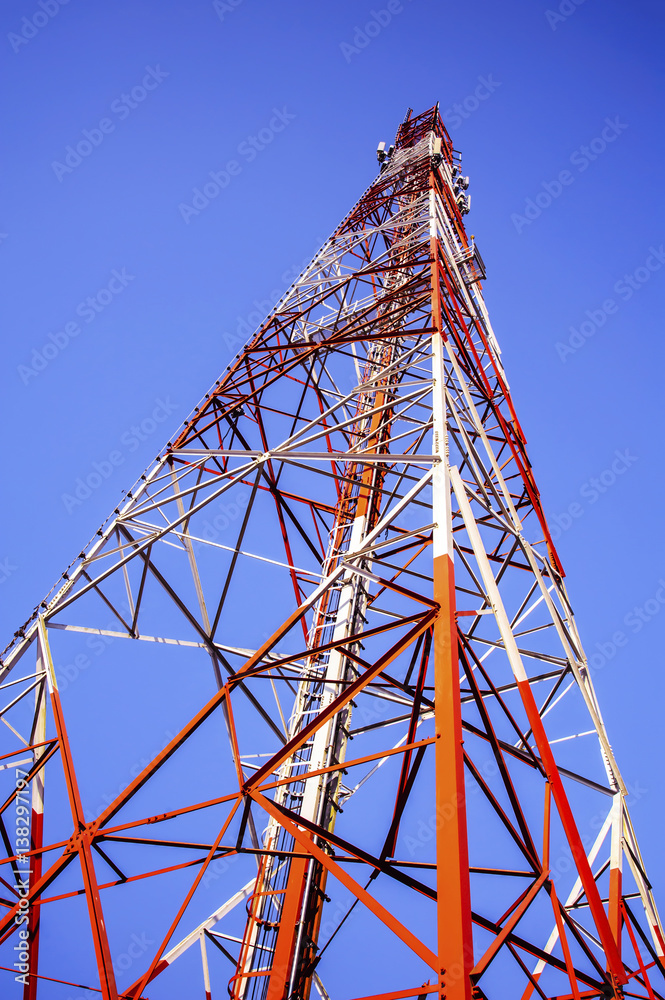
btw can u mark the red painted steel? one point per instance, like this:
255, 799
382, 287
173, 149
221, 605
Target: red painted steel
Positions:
337, 592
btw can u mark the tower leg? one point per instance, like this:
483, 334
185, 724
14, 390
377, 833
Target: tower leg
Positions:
455, 937
455, 941
36, 834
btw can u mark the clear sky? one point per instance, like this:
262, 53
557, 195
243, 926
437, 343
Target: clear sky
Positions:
126, 293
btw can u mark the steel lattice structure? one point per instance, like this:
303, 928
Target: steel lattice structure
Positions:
337, 587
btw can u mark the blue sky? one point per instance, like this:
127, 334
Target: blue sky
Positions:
558, 120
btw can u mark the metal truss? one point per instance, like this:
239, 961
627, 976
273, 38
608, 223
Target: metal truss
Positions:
337, 589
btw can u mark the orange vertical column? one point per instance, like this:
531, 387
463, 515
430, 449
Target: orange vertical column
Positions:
615, 913
455, 936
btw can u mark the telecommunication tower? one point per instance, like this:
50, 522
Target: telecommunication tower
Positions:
382, 771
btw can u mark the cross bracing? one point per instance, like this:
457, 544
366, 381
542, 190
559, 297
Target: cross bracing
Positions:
334, 602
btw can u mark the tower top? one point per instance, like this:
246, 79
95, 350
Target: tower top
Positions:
415, 128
